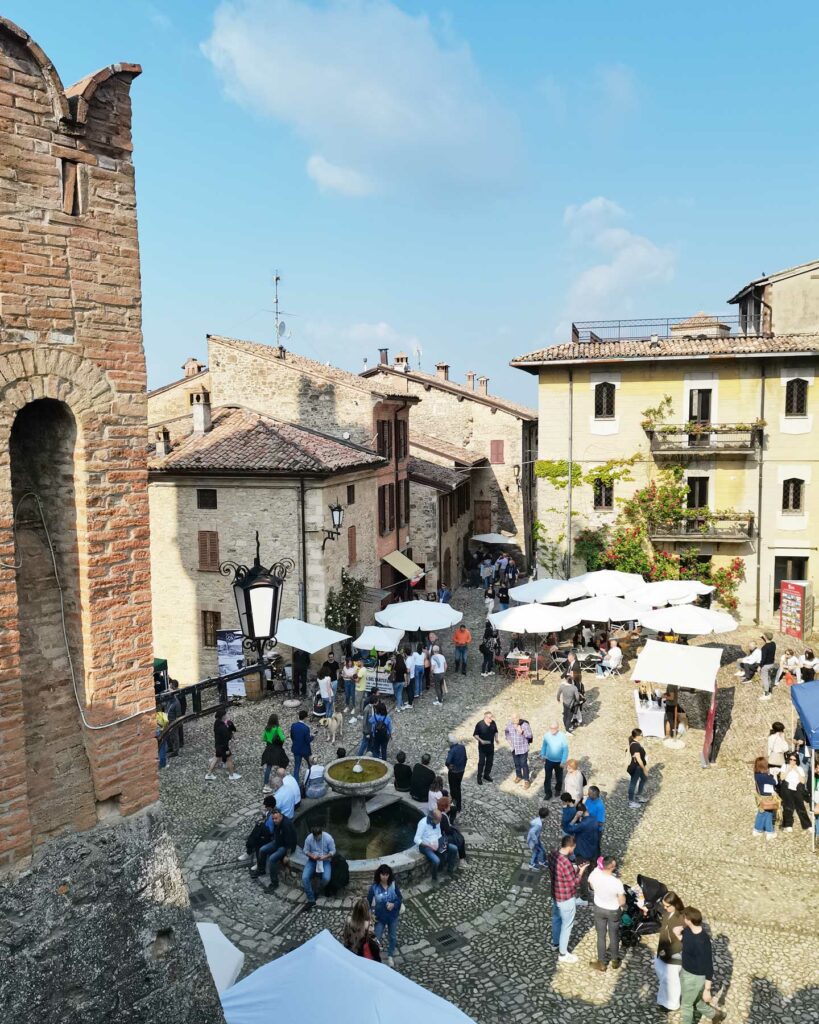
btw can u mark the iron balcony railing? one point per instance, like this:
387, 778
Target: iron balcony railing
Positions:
661, 327
707, 438
737, 528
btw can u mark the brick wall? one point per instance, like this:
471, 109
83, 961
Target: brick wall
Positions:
71, 333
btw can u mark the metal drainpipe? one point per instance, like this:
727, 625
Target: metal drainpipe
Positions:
759, 493
303, 587
569, 497
395, 458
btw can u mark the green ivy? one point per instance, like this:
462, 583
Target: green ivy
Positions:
342, 611
658, 413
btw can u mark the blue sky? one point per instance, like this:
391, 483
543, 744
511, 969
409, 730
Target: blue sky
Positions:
461, 180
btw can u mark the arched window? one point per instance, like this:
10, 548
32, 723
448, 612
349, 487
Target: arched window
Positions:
796, 397
604, 401
792, 495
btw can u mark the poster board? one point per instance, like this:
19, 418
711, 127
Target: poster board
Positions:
231, 658
796, 608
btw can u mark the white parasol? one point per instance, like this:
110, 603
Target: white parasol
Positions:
547, 591
609, 582
307, 637
663, 592
607, 609
414, 616
378, 638
688, 620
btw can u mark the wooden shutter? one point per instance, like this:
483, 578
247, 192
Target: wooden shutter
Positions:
211, 623
208, 550
406, 501
391, 506
496, 453
382, 509
352, 554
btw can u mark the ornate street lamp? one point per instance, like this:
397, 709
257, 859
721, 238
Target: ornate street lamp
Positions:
258, 595
337, 518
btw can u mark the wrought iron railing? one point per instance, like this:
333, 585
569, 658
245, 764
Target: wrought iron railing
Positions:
737, 527
681, 438
661, 327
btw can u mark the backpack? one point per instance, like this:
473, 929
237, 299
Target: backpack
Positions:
380, 731
339, 875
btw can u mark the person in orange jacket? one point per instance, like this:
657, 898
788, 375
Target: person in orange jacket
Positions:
461, 639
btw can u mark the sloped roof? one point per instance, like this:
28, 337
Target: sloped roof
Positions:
453, 452
176, 383
802, 268
442, 478
310, 367
243, 441
686, 347
502, 404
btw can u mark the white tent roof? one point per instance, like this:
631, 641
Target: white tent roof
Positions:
607, 609
548, 591
492, 538
695, 668
535, 618
423, 615
224, 959
688, 620
306, 636
609, 582
663, 592
321, 981
379, 638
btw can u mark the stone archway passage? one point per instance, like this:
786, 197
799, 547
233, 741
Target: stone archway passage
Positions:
44, 451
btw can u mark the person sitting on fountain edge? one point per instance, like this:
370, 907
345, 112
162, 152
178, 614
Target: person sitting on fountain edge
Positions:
401, 773
421, 779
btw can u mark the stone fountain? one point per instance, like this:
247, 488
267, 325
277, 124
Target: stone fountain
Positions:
359, 778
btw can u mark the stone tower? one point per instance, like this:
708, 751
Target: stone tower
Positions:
101, 922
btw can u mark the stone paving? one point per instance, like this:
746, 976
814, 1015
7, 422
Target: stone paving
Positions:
482, 939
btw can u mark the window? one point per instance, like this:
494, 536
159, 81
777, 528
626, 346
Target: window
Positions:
699, 405
796, 397
211, 623
384, 439
496, 453
386, 508
697, 492
792, 495
208, 551
603, 495
604, 401
787, 567
351, 548
400, 439
351, 494
71, 187
206, 497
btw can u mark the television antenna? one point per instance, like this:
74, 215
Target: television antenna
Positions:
279, 326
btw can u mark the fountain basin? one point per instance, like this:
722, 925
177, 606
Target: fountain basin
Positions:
359, 786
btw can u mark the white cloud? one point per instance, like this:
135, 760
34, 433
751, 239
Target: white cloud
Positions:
378, 92
332, 178
629, 266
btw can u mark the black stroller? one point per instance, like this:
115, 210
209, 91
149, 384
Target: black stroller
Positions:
643, 910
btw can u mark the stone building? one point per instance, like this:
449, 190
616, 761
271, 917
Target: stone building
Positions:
440, 500
229, 472
79, 753
470, 417
741, 426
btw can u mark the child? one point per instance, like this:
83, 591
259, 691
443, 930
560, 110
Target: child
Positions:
534, 840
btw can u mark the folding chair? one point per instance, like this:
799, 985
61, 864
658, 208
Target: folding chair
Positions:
521, 668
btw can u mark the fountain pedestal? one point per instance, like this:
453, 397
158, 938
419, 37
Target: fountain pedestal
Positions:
342, 779
359, 820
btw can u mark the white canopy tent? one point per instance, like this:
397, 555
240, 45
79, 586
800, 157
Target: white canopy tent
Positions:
688, 620
412, 616
548, 591
693, 668
535, 619
492, 538
307, 637
663, 592
607, 609
378, 638
609, 582
224, 959
321, 981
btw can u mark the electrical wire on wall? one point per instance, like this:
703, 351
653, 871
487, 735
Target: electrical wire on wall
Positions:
16, 566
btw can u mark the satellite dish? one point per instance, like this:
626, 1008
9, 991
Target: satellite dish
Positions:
282, 328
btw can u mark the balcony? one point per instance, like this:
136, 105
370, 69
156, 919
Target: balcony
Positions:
734, 528
701, 325
705, 439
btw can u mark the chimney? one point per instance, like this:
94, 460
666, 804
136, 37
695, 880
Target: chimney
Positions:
483, 385
384, 356
470, 380
192, 367
200, 407
442, 370
163, 442
402, 362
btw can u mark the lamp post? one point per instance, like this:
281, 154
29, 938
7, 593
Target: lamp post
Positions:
337, 519
258, 594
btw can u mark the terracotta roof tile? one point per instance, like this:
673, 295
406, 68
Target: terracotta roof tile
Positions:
441, 477
444, 448
679, 348
243, 441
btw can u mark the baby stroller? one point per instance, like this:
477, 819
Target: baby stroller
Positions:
643, 910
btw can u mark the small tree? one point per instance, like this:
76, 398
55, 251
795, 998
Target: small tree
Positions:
342, 611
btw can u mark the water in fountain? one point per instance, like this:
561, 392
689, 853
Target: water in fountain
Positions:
392, 828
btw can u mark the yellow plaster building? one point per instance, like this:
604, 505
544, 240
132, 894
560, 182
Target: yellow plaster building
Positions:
743, 427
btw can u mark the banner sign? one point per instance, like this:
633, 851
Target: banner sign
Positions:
231, 658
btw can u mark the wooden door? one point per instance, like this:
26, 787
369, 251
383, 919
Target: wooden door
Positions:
482, 515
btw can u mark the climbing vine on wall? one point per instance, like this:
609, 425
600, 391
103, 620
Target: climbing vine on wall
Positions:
343, 609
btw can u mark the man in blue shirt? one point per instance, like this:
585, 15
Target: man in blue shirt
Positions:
555, 753
597, 810
302, 740
455, 766
587, 835
319, 849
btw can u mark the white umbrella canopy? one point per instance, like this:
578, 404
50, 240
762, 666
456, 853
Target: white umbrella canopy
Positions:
547, 591
609, 582
224, 959
607, 609
663, 592
535, 618
492, 538
688, 621
378, 638
419, 615
307, 637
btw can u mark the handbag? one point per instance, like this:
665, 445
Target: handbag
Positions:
768, 802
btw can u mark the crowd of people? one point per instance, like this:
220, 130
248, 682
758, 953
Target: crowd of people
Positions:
782, 783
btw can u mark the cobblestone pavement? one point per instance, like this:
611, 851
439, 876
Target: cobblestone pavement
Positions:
482, 940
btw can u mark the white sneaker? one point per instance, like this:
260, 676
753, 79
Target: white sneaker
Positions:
756, 833
210, 777
491, 674
765, 696
770, 835
244, 858
788, 829
436, 703
642, 799
567, 958
581, 903
634, 805
391, 961
234, 776
267, 789
739, 675
352, 720
483, 675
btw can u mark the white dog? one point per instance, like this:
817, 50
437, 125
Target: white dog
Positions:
334, 726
